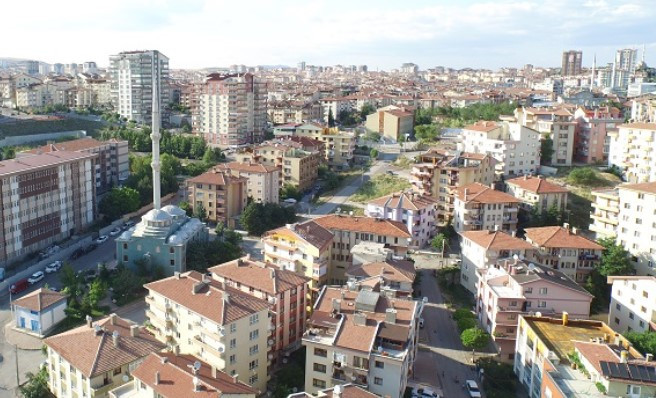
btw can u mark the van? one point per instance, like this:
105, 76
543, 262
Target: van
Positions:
19, 286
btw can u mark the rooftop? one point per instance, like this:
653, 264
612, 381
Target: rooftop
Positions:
364, 224
496, 240
537, 185
259, 275
560, 237
39, 300
476, 192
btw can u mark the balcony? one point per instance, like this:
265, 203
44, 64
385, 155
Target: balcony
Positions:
217, 352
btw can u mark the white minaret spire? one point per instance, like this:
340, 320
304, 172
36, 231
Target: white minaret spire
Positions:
154, 135
594, 66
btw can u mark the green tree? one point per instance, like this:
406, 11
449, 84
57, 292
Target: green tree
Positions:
475, 339
290, 191
125, 284
213, 156
71, 283
367, 109
97, 292
546, 150
373, 154
186, 207
500, 380
199, 212
119, 201
615, 259
331, 118
584, 176
202, 255
439, 242
427, 132
220, 229
258, 218
644, 342
466, 323
8, 152
36, 385
372, 136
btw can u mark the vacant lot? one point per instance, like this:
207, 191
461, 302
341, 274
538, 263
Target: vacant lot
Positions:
380, 185
27, 127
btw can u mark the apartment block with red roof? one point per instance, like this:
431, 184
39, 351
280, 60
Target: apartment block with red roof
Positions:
286, 292
222, 195
557, 124
564, 249
392, 122
262, 181
361, 337
480, 207
537, 193
393, 278
223, 326
591, 141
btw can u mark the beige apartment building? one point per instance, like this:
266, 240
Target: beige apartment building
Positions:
391, 122
232, 109
46, 198
262, 184
605, 213
363, 337
222, 195
480, 207
301, 248
298, 167
537, 193
632, 150
287, 293
225, 327
338, 145
440, 172
557, 124
93, 359
348, 231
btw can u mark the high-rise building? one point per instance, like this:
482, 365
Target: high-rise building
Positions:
232, 109
32, 68
624, 66
132, 74
572, 61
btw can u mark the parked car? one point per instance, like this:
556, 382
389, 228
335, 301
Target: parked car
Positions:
19, 286
90, 275
472, 389
424, 393
128, 224
36, 277
102, 239
90, 248
115, 231
77, 253
53, 267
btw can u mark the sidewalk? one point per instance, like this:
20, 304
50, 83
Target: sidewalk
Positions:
22, 340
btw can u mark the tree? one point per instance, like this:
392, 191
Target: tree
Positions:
466, 323
374, 153
8, 152
97, 292
331, 118
615, 259
71, 283
202, 255
290, 191
475, 339
584, 176
220, 229
119, 201
367, 109
439, 242
213, 156
199, 212
427, 132
644, 342
372, 136
186, 207
546, 150
36, 385
258, 218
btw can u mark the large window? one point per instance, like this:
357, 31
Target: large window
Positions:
318, 367
320, 352
318, 383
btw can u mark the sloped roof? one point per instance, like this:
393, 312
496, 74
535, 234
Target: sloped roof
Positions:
476, 192
39, 299
259, 275
364, 224
496, 240
393, 270
310, 231
537, 185
404, 200
560, 237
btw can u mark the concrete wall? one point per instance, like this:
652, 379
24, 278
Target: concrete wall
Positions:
25, 139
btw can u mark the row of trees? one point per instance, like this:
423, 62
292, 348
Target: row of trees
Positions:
257, 218
202, 255
182, 146
615, 260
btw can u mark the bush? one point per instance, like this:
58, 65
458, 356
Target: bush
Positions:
500, 380
585, 176
466, 323
462, 313
258, 218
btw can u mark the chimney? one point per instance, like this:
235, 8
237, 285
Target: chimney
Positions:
390, 315
617, 340
649, 357
272, 273
337, 305
466, 192
176, 274
115, 337
566, 226
134, 330
196, 382
565, 318
514, 234
248, 256
337, 391
235, 378
112, 319
226, 298
496, 227
361, 319
525, 176
89, 321
164, 360
214, 372
513, 270
157, 378
624, 356
575, 230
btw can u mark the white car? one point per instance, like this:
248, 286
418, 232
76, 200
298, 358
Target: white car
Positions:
102, 239
115, 231
472, 389
36, 277
53, 267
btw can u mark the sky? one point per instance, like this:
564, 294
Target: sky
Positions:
382, 34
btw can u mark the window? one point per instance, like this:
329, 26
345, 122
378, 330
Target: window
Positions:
645, 294
378, 381
320, 352
631, 316
318, 383
380, 365
254, 350
252, 364
253, 379
528, 290
318, 367
543, 290
233, 327
542, 304
618, 307
254, 319
233, 359
254, 335
233, 343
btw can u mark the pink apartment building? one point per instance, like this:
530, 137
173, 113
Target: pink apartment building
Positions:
591, 141
511, 288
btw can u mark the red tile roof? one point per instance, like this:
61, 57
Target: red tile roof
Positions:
407, 200
39, 299
496, 240
476, 192
559, 237
363, 224
537, 185
259, 275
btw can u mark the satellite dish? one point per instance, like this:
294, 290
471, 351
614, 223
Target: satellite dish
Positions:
197, 365
125, 378
515, 256
294, 389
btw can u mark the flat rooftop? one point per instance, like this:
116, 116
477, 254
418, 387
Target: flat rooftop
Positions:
560, 339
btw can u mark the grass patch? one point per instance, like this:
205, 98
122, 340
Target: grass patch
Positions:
357, 211
404, 162
378, 186
27, 127
345, 178
454, 293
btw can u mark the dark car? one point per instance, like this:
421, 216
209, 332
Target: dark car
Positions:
19, 286
90, 248
77, 253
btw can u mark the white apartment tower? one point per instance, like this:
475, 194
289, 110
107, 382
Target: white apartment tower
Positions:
132, 75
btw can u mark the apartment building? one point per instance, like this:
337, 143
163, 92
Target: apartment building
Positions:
167, 375
591, 141
262, 181
631, 149
543, 360
46, 198
233, 109
557, 124
338, 145
414, 210
303, 249
440, 172
289, 111
513, 287
287, 293
605, 213
536, 193
643, 109
40, 95
334, 106
515, 147
392, 278
632, 305
564, 249
347, 390
482, 249
391, 122
571, 65
133, 76
348, 231
478, 207
298, 167
222, 195
111, 164
220, 325
361, 337
93, 359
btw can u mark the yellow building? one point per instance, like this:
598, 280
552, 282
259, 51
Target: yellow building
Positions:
338, 145
222, 195
301, 248
537, 193
391, 122
262, 181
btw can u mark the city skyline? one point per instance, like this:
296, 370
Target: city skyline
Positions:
472, 33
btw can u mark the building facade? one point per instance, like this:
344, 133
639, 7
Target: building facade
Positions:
222, 195
555, 124
571, 65
39, 311
631, 149
391, 122
592, 142
338, 145
479, 207
536, 193
632, 304
262, 181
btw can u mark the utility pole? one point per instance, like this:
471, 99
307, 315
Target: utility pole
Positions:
16, 360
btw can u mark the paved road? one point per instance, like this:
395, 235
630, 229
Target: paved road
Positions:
441, 357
